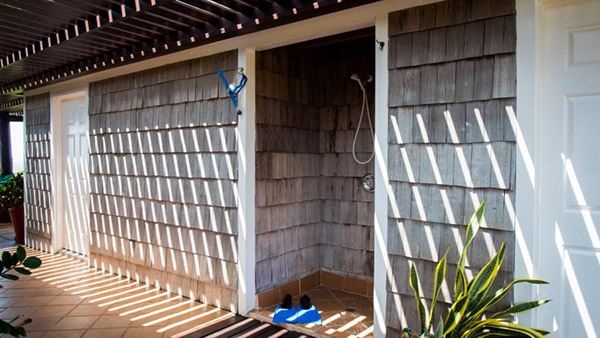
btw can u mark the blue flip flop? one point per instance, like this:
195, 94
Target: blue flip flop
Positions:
284, 315
308, 316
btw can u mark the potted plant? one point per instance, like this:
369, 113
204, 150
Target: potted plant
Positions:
11, 197
4, 216
471, 315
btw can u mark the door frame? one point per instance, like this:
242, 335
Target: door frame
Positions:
56, 157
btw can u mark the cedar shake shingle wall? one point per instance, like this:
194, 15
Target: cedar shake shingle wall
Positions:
347, 228
163, 170
288, 205
451, 144
312, 213
38, 200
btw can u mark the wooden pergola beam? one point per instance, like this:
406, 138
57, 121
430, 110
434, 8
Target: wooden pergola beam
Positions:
157, 27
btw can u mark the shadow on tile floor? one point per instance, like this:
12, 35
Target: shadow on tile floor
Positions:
66, 298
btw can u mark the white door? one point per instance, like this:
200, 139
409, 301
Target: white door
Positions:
570, 169
74, 171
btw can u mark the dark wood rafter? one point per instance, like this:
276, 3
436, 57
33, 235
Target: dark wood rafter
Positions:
11, 104
68, 38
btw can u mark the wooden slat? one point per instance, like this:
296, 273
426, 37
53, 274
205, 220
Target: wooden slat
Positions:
235, 329
215, 327
253, 331
271, 331
293, 334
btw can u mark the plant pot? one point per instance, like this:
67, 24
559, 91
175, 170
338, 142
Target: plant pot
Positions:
17, 217
4, 216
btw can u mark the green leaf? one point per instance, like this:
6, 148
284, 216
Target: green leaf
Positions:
511, 327
460, 283
474, 330
456, 312
7, 276
21, 253
4, 326
6, 259
520, 307
25, 322
486, 276
23, 271
543, 332
479, 286
499, 294
414, 284
494, 334
32, 262
472, 229
15, 319
14, 259
440, 275
440, 328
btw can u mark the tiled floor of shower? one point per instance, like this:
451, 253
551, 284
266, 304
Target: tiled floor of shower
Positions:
344, 314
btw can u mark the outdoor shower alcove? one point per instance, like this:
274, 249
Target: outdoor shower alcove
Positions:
314, 220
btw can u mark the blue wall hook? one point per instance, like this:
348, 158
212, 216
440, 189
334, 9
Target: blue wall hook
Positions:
232, 89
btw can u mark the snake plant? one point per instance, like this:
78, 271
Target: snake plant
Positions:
470, 313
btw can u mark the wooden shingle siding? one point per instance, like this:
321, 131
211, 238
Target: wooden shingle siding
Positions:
38, 193
312, 213
288, 206
451, 144
347, 220
163, 175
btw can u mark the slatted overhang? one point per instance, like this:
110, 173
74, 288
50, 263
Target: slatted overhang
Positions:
11, 106
46, 41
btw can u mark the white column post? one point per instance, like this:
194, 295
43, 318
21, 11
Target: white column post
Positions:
246, 137
525, 123
382, 266
25, 173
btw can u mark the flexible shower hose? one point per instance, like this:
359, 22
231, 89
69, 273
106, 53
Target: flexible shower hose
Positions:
365, 105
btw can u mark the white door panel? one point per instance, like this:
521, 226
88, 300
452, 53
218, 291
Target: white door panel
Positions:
75, 175
569, 256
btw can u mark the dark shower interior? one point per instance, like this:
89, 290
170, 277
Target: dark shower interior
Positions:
312, 211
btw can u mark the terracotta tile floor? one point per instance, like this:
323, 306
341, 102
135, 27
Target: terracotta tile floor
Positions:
66, 298
334, 307
6, 235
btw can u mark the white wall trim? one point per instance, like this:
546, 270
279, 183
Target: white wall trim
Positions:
56, 153
246, 138
25, 164
382, 264
527, 194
